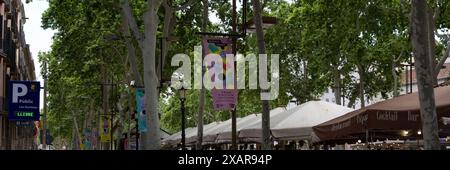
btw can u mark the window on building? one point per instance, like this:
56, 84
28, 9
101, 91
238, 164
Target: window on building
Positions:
328, 100
334, 100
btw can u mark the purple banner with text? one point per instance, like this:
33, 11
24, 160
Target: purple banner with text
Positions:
226, 97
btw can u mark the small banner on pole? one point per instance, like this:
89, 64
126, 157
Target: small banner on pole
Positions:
105, 128
87, 139
140, 109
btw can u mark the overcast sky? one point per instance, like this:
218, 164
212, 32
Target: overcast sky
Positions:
38, 38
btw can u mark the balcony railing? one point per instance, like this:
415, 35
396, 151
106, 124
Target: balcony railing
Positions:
10, 50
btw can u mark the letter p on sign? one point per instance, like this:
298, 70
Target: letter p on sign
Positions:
19, 90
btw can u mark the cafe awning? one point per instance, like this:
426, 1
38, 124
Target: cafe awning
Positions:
400, 113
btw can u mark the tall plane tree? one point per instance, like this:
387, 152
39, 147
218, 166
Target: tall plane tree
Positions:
147, 45
424, 72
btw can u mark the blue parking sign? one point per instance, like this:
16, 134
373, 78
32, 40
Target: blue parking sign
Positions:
24, 100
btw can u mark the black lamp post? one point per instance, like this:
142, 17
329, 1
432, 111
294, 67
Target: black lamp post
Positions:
246, 27
136, 116
137, 129
182, 92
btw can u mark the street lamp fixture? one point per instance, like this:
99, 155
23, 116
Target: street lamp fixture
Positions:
405, 133
182, 93
445, 120
134, 85
267, 22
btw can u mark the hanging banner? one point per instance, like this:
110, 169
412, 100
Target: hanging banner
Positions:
140, 109
223, 99
105, 128
87, 139
36, 133
94, 138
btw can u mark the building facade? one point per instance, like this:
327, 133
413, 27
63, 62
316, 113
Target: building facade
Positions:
408, 85
329, 96
409, 81
16, 63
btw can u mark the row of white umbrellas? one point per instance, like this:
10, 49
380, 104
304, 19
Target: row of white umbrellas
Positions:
292, 124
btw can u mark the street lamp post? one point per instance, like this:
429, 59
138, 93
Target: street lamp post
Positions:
76, 133
183, 123
44, 117
105, 107
137, 129
136, 116
419, 133
246, 27
411, 64
137, 134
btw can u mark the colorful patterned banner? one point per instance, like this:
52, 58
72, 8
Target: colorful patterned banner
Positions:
223, 99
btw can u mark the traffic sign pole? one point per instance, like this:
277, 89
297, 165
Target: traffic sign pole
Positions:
44, 117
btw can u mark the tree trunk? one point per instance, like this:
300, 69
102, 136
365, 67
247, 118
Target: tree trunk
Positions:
130, 100
130, 110
394, 73
424, 74
151, 140
121, 122
77, 132
98, 143
361, 85
169, 25
337, 87
131, 52
431, 42
305, 70
147, 43
92, 114
351, 101
234, 145
442, 60
105, 97
74, 138
201, 106
85, 120
407, 80
266, 143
